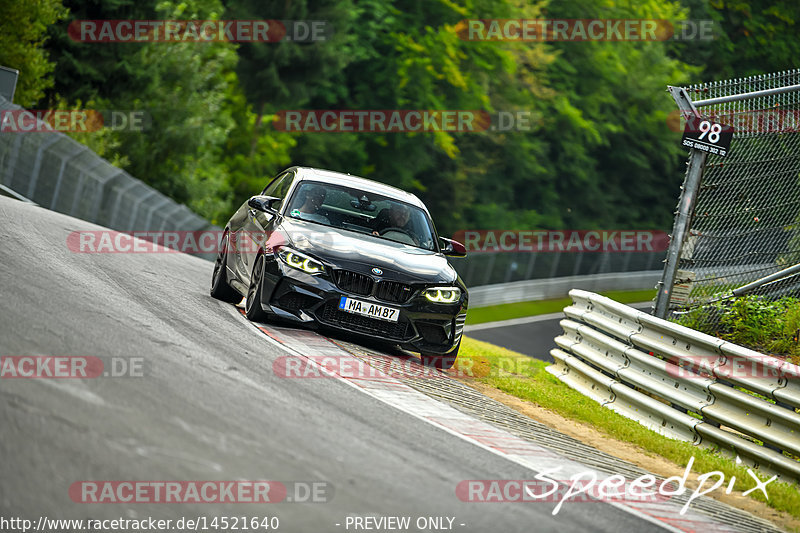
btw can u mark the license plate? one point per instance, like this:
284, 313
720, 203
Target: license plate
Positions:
360, 307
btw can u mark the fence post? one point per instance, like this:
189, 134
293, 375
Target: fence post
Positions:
691, 184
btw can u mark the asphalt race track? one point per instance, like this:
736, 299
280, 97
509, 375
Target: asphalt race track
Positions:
516, 334
209, 405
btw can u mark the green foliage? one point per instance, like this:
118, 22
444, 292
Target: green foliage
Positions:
771, 326
615, 157
202, 147
23, 27
598, 152
751, 37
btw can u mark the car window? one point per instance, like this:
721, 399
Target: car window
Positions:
363, 212
278, 188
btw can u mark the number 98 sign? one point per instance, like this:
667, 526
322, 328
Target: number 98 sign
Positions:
706, 135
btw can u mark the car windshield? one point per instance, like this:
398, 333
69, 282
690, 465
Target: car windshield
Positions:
365, 212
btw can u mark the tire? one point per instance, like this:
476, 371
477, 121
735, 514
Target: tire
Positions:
440, 361
219, 285
252, 307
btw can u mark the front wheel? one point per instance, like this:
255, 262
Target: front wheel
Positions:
219, 284
252, 306
440, 361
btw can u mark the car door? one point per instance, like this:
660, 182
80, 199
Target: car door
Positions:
258, 225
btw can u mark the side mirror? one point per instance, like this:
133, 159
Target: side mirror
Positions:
263, 203
452, 248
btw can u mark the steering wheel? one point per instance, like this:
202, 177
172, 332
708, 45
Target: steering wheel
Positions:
400, 230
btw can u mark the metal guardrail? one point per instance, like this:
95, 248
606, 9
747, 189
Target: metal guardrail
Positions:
5, 191
543, 289
63, 175
681, 383
493, 268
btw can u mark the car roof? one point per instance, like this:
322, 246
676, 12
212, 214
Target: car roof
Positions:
329, 176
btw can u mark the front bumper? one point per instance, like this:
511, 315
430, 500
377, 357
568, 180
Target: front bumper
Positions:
422, 325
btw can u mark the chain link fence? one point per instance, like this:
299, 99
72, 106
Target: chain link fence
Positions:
479, 269
742, 211
61, 174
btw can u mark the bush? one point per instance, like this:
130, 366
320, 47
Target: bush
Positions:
770, 326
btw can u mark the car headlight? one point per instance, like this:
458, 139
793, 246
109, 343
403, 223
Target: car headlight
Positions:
443, 295
300, 261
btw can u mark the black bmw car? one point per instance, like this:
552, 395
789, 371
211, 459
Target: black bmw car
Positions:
336, 251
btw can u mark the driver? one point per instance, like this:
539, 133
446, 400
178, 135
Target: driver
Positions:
314, 197
396, 216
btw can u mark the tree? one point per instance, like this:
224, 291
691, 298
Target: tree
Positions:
750, 37
23, 33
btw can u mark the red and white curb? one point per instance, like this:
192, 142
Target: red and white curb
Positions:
309, 345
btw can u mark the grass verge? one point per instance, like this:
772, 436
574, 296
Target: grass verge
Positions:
479, 315
526, 378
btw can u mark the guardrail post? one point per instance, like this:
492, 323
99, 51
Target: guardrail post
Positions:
37, 165
64, 162
489, 269
531, 264
12, 161
554, 267
78, 196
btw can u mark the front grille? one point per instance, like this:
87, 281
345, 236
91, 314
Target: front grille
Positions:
393, 291
353, 282
393, 330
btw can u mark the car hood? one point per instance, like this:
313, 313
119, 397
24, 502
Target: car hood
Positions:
355, 251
